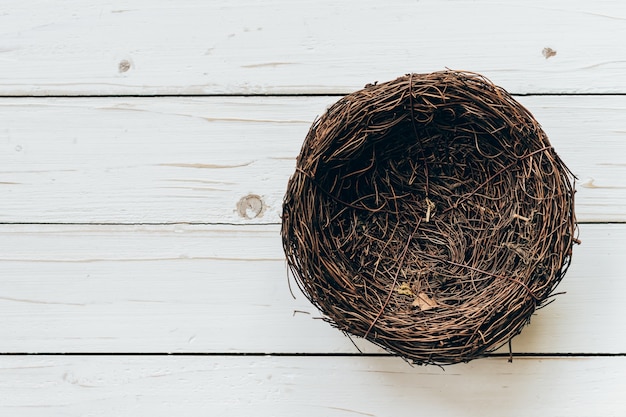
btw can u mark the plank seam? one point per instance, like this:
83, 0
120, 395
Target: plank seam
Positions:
203, 223
277, 95
306, 354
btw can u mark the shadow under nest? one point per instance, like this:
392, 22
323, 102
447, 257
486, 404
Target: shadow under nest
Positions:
429, 215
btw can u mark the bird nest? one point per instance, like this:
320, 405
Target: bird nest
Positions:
429, 215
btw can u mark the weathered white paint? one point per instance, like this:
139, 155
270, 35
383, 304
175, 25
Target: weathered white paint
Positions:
147, 160
309, 386
322, 46
222, 289
225, 289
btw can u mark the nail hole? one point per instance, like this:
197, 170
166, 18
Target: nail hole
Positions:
124, 65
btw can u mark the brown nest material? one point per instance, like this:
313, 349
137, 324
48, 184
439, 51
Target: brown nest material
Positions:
429, 215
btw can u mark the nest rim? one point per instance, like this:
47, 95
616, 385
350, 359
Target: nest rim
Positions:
429, 215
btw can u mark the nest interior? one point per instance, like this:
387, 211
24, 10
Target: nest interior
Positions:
429, 215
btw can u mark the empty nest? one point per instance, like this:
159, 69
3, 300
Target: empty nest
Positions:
429, 215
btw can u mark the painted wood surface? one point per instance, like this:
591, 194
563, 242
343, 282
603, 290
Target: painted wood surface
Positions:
172, 160
309, 386
147, 225
225, 289
322, 46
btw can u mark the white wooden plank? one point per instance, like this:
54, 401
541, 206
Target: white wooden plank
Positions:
146, 160
200, 47
309, 386
225, 289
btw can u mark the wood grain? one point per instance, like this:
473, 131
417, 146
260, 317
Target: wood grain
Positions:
140, 213
223, 289
222, 47
192, 160
309, 386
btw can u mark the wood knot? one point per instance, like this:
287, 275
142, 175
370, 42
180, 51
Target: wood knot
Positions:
250, 206
548, 52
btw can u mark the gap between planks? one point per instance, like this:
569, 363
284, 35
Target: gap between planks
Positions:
514, 355
269, 95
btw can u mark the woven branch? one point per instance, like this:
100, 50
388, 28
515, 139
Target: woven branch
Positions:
430, 215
